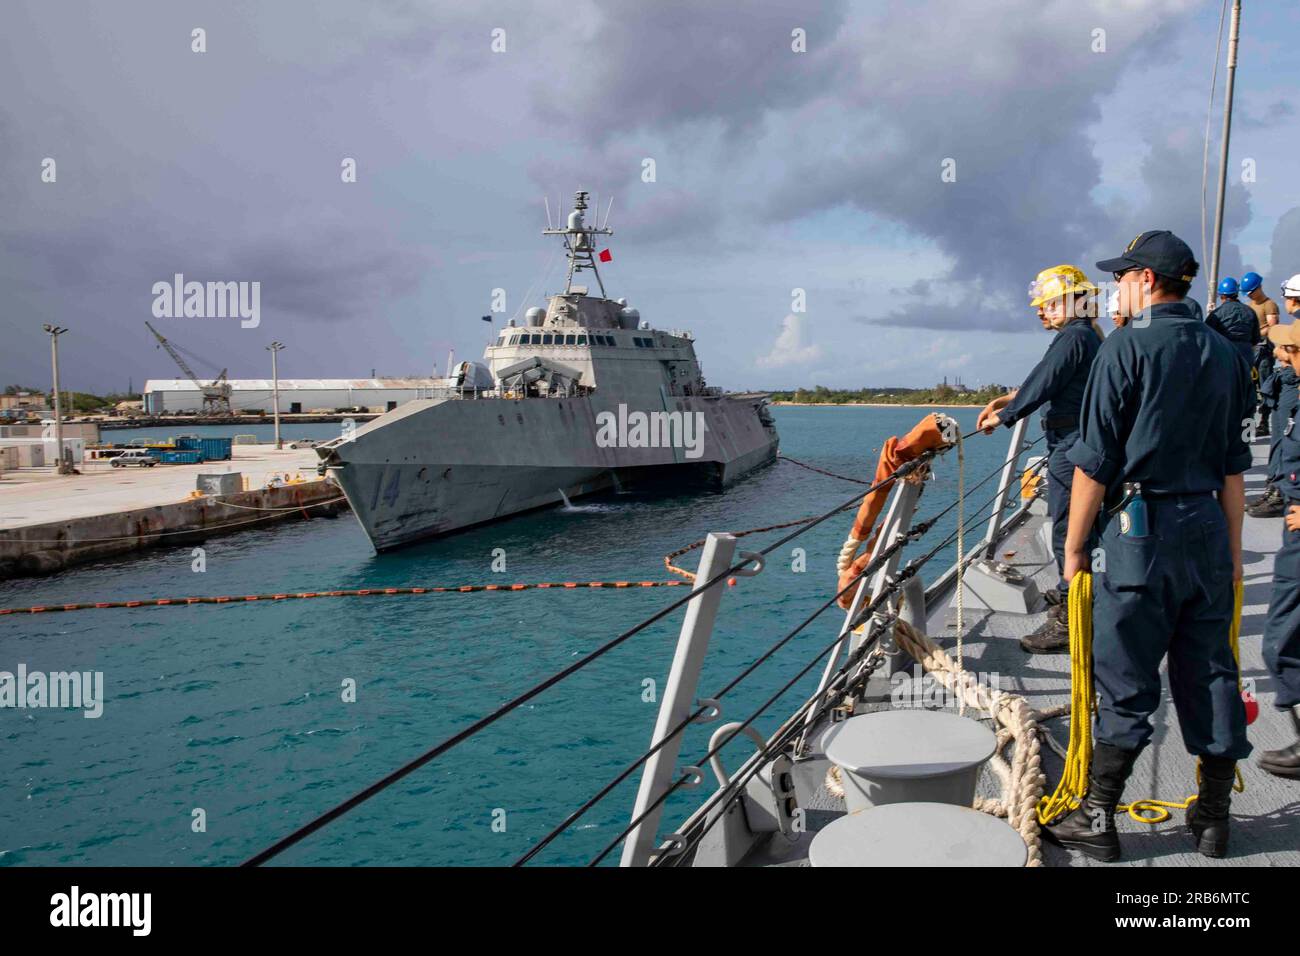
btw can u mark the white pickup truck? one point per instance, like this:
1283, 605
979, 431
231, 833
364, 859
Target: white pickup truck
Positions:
135, 456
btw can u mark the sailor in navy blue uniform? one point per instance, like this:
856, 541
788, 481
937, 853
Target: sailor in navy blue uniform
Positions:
1282, 626
1067, 302
1278, 395
1161, 454
1235, 320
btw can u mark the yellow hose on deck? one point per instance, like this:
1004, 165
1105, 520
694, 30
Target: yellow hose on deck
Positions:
1074, 779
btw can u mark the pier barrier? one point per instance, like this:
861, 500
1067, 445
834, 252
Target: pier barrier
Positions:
47, 548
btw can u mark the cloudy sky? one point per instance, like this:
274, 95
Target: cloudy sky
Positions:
775, 169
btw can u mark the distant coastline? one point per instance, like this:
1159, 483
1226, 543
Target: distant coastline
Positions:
942, 395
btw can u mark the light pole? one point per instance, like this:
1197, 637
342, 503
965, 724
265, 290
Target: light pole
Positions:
54, 332
1233, 33
273, 348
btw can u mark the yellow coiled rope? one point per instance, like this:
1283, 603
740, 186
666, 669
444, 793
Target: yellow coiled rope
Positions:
1083, 703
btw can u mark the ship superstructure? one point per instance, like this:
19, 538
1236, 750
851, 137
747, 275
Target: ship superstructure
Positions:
581, 396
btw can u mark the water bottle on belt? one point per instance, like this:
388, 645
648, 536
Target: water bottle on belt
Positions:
1132, 511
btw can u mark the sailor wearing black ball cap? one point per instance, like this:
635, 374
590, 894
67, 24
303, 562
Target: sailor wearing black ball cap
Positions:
1161, 452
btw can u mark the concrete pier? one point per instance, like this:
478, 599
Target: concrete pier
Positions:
49, 522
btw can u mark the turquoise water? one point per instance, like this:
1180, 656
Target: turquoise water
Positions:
238, 710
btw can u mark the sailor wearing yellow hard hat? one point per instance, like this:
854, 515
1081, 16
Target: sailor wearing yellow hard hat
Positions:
1066, 301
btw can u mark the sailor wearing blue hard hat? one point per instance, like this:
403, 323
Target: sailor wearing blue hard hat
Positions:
1265, 309
1162, 477
1234, 321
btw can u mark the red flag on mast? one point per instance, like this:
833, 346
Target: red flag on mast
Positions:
605, 256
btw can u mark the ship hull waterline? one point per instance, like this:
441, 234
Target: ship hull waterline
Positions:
434, 467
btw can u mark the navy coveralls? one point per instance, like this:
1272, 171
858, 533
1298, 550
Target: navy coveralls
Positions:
1167, 406
1279, 393
1058, 381
1282, 627
1238, 323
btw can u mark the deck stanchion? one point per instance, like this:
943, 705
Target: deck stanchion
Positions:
679, 695
1010, 473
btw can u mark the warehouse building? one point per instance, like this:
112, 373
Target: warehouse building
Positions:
170, 396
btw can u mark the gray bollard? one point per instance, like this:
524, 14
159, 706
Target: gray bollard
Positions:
899, 756
918, 834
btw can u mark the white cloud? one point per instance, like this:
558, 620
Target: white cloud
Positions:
790, 347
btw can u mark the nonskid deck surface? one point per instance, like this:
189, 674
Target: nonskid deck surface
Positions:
1266, 817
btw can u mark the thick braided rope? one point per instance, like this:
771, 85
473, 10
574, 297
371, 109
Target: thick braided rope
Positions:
1021, 779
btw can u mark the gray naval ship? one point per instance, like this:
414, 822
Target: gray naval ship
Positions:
582, 397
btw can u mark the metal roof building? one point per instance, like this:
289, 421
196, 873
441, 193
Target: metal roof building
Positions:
250, 395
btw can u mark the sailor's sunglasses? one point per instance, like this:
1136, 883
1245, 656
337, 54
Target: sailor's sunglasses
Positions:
1119, 276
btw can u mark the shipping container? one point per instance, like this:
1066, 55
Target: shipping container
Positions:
179, 457
214, 449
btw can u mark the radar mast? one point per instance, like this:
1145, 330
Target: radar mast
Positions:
578, 242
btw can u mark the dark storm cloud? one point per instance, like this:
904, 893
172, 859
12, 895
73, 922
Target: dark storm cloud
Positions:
1286, 251
227, 167
1171, 175
867, 118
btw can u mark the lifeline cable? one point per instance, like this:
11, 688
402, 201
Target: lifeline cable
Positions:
821, 471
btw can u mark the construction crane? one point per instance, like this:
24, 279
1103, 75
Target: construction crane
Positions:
216, 395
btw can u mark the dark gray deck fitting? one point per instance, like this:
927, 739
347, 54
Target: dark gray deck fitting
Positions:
918, 834
902, 756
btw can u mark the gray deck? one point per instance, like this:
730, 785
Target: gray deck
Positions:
1266, 817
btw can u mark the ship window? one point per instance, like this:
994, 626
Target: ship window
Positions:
548, 339
582, 340
570, 340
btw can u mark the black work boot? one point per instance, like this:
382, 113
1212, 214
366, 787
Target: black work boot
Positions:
1053, 637
1285, 762
1207, 817
1269, 493
1055, 597
1269, 505
1090, 827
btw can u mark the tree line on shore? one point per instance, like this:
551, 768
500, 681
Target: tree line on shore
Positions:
936, 395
